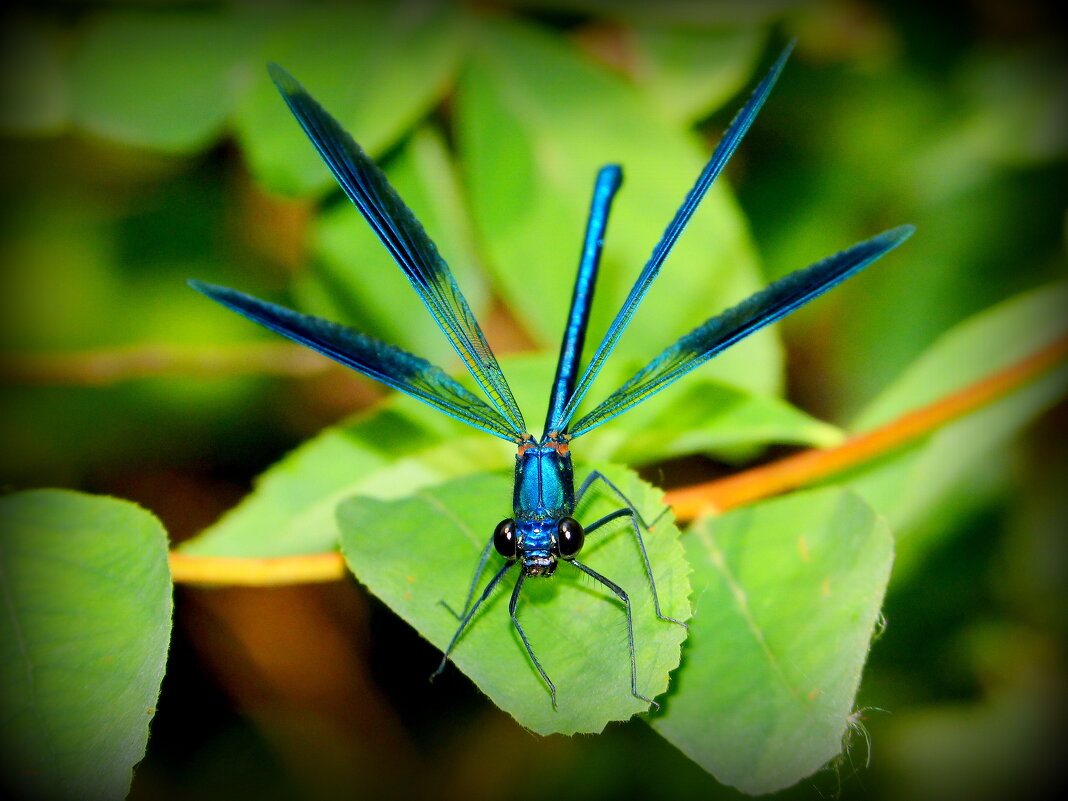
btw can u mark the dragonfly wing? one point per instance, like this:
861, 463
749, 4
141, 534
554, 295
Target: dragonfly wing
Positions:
608, 180
378, 360
722, 154
404, 237
717, 334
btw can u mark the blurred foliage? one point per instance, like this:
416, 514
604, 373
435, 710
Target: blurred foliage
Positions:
923, 485
144, 145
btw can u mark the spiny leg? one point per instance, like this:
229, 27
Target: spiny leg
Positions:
630, 626
597, 475
474, 583
522, 635
470, 614
636, 524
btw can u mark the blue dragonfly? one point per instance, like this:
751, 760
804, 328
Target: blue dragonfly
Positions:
542, 531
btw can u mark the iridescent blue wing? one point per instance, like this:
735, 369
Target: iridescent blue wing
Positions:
717, 334
724, 150
608, 181
404, 237
378, 360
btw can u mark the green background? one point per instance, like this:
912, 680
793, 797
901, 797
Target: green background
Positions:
143, 145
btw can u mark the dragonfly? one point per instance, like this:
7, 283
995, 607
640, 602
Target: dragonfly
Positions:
542, 531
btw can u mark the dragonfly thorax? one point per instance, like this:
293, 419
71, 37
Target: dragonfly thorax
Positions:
544, 487
543, 501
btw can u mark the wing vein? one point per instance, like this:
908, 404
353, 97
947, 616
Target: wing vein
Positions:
405, 239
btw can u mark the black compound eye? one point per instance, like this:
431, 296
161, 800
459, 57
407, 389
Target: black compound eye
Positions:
504, 538
569, 537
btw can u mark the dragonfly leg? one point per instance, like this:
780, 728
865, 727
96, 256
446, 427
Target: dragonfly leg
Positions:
630, 626
637, 523
522, 635
474, 583
470, 613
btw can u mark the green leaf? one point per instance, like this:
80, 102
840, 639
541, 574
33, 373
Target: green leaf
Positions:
403, 446
159, 80
705, 416
918, 486
355, 279
388, 453
86, 597
415, 552
688, 72
982, 345
698, 415
376, 69
535, 122
787, 595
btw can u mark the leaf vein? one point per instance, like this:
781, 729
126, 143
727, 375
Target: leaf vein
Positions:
451, 515
738, 593
20, 639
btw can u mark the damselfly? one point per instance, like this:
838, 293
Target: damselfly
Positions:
542, 531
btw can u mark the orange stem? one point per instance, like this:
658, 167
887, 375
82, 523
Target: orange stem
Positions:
110, 365
810, 466
751, 485
247, 572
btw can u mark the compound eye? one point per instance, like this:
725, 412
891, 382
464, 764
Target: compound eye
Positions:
504, 538
569, 537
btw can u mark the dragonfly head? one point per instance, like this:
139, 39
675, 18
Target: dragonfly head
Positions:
538, 544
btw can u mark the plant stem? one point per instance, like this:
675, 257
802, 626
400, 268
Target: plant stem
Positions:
111, 365
751, 485
806, 468
252, 572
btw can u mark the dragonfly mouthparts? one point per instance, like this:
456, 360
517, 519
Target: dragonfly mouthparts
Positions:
539, 564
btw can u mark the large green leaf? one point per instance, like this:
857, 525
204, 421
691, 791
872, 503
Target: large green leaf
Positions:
165, 81
375, 68
786, 597
919, 486
86, 621
388, 453
403, 446
415, 552
705, 416
990, 341
536, 120
355, 279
